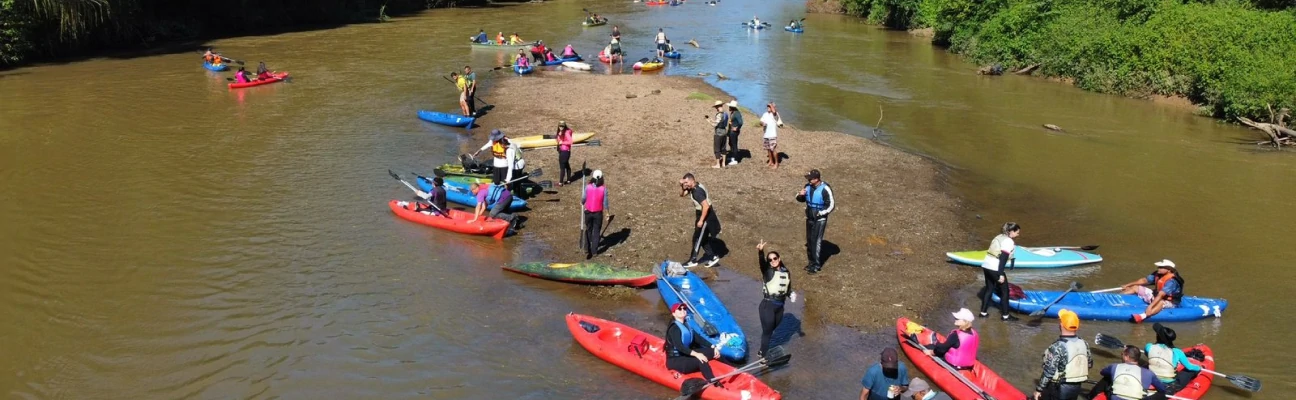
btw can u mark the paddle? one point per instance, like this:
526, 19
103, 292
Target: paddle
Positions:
441, 212
707, 328
952, 371
1242, 381
1108, 290
777, 356
609, 223
475, 97
1074, 287
701, 233
1085, 248
584, 176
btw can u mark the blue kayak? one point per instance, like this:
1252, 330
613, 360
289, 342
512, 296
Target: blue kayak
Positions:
458, 192
216, 68
707, 306
560, 61
1032, 257
793, 30
1116, 307
446, 119
673, 54
749, 25
523, 70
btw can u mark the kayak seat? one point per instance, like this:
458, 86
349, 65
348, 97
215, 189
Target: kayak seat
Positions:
589, 327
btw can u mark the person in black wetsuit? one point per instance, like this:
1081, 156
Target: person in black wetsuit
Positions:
685, 352
777, 288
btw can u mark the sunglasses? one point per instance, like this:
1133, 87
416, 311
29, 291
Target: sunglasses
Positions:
774, 258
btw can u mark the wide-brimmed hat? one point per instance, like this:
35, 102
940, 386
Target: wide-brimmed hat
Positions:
718, 103
733, 104
496, 135
1166, 263
1164, 335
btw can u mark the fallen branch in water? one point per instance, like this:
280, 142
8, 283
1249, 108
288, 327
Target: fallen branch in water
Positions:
1277, 134
1026, 70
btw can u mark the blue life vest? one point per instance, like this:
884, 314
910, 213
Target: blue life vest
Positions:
815, 196
686, 339
495, 193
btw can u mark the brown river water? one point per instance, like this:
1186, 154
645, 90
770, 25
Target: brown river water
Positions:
164, 237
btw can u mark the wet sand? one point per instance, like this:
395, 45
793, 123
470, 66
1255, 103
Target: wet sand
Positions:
885, 241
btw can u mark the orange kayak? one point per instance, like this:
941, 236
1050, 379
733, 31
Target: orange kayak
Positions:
980, 375
610, 341
278, 77
1197, 387
457, 222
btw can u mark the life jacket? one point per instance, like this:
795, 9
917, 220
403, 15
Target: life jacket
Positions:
568, 51
1127, 382
1077, 367
996, 246
686, 339
240, 77
518, 162
964, 356
1161, 361
696, 204
498, 149
496, 194
594, 196
1160, 283
777, 286
815, 196
549, 56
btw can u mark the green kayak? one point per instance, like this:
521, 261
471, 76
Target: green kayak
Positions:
586, 272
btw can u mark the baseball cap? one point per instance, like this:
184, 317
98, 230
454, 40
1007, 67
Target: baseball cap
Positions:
964, 314
889, 358
598, 173
1069, 319
813, 174
915, 385
678, 306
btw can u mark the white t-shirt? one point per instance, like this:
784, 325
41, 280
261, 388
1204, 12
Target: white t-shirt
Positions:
1000, 244
771, 125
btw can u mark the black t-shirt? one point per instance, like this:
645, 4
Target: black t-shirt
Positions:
699, 195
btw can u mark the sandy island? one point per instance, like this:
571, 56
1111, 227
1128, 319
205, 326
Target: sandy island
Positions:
894, 219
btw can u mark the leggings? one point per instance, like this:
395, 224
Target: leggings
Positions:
771, 314
593, 228
993, 286
733, 145
564, 166
687, 365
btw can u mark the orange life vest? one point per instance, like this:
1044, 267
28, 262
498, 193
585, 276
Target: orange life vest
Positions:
1160, 286
498, 149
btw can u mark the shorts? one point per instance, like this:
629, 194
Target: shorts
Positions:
770, 143
1145, 293
661, 46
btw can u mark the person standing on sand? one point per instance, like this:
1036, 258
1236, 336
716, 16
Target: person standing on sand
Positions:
707, 225
735, 128
461, 84
819, 203
564, 139
594, 199
503, 155
721, 132
771, 121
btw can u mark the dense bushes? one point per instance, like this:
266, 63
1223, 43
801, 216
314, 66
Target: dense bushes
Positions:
42, 28
1232, 56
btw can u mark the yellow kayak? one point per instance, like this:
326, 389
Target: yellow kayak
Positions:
534, 141
649, 66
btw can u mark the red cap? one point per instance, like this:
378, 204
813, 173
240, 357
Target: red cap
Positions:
678, 306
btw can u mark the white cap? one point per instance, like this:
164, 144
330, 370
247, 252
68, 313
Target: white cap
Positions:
1166, 263
598, 174
964, 314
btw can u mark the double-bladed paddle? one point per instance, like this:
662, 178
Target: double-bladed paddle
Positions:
914, 342
1242, 381
777, 357
707, 327
441, 212
1074, 287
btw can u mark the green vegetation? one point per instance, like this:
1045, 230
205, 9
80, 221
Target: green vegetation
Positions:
32, 29
1234, 57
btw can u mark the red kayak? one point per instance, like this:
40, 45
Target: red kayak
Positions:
655, 3
457, 221
611, 342
1199, 385
604, 58
278, 77
980, 375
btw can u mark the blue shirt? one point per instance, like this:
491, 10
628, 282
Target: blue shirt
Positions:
1171, 287
878, 384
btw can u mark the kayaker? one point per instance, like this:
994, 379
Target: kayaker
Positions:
1066, 362
514, 39
564, 138
569, 52
960, 346
481, 37
721, 133
437, 197
496, 198
262, 72
549, 56
755, 21
819, 201
685, 351
1167, 293
594, 201
670, 48
735, 128
993, 267
616, 53
794, 24
920, 390
776, 289
707, 223
470, 94
538, 51
1170, 364
241, 76
1126, 380
499, 38
771, 121
522, 61
885, 380
461, 85
211, 58
661, 42
616, 32
502, 155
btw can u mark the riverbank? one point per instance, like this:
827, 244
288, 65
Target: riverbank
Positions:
1226, 58
893, 221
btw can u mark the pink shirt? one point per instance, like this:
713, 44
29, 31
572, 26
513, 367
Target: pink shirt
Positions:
565, 140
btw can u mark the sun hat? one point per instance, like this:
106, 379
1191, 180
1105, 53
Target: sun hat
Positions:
964, 314
733, 103
1166, 263
598, 174
496, 135
718, 103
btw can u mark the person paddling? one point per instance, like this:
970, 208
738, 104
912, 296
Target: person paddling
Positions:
514, 39
241, 76
564, 137
594, 201
263, 73
1127, 380
616, 32
499, 38
993, 266
707, 223
521, 61
212, 58
569, 52
685, 352
1167, 293
1170, 364
777, 288
1066, 362
503, 155
960, 346
437, 197
481, 37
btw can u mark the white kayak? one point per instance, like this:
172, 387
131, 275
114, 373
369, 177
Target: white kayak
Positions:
577, 65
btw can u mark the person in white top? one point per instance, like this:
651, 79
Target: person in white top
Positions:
771, 121
996, 260
661, 43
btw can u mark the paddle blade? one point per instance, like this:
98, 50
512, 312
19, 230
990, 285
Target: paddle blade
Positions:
692, 388
1076, 286
594, 143
710, 330
393, 174
545, 184
1109, 342
1245, 382
777, 356
439, 173
537, 173
1038, 313
1089, 247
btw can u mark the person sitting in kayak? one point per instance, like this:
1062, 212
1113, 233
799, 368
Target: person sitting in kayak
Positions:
569, 52
213, 58
514, 39
437, 198
262, 72
960, 346
670, 48
794, 24
241, 76
549, 56
1167, 294
685, 352
522, 61
1170, 364
616, 32
755, 22
495, 198
481, 37
499, 38
1126, 380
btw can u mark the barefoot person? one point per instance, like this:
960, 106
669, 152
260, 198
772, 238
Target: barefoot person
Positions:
461, 83
771, 121
777, 288
707, 224
1167, 293
721, 122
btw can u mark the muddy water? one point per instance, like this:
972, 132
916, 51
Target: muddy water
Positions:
164, 237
